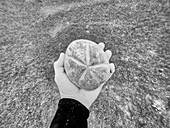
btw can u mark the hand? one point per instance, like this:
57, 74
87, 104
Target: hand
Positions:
68, 90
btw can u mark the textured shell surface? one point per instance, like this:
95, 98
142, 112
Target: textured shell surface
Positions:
86, 64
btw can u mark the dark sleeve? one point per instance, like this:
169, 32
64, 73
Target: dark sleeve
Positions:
70, 114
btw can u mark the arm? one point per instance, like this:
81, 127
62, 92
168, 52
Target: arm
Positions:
70, 114
75, 102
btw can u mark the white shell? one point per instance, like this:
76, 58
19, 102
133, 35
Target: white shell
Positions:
86, 64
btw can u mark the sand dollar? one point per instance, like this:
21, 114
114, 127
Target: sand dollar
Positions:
86, 64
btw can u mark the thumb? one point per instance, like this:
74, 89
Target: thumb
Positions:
59, 64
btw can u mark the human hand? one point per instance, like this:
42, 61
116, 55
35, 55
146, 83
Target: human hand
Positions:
68, 90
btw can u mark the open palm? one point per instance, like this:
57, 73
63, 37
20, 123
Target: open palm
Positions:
69, 90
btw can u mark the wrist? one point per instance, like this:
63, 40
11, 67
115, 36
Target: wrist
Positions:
78, 98
84, 102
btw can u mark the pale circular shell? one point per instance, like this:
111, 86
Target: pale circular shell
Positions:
86, 64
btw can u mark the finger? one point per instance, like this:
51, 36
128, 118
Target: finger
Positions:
112, 68
59, 64
102, 45
108, 54
60, 61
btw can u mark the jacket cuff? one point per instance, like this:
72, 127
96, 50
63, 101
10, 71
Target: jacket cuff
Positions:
75, 107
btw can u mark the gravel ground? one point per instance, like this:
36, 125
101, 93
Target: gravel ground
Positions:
34, 32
